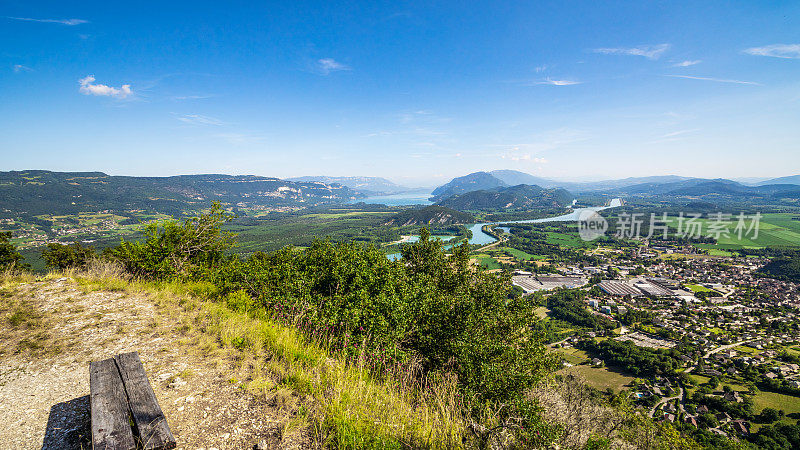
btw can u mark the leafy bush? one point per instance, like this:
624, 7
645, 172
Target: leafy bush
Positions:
9, 256
177, 250
60, 256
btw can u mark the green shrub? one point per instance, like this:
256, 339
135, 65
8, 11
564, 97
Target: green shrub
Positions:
177, 250
62, 257
9, 256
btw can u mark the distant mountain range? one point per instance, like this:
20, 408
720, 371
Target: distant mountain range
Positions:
365, 185
44, 192
505, 178
711, 189
522, 196
793, 179
670, 185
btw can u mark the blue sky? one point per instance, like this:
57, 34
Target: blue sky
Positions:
417, 92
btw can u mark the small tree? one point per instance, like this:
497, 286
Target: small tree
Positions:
768, 415
173, 249
62, 257
9, 256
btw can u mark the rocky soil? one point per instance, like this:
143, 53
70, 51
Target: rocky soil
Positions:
51, 330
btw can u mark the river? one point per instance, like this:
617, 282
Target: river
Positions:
481, 238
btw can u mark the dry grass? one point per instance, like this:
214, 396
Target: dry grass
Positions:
569, 402
333, 404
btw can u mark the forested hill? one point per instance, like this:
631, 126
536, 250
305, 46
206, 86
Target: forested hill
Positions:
365, 185
472, 182
43, 192
430, 215
515, 197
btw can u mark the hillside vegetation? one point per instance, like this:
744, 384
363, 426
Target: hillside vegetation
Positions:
37, 192
430, 215
515, 197
423, 352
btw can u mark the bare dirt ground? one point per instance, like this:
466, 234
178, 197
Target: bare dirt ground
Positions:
51, 330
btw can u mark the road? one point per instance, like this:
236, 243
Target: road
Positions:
665, 400
726, 347
688, 370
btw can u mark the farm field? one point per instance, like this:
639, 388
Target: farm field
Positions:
486, 261
775, 229
565, 239
789, 404
601, 378
521, 255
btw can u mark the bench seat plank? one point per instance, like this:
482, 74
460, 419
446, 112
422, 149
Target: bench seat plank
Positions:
154, 433
111, 427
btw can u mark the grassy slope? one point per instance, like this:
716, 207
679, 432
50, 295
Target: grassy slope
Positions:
343, 406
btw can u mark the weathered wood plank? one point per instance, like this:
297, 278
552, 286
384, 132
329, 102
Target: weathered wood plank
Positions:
148, 418
111, 427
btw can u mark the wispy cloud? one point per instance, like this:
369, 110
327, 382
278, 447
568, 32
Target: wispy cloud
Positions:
70, 22
239, 138
674, 136
516, 154
197, 119
648, 51
327, 65
88, 88
678, 133
718, 80
20, 68
786, 51
687, 63
558, 82
191, 97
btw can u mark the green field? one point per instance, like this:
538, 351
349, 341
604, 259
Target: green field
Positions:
698, 288
789, 404
775, 229
487, 261
600, 378
520, 255
565, 239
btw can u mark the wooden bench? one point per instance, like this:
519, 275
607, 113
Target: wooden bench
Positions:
125, 412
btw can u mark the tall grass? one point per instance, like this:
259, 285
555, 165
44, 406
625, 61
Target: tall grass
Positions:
340, 404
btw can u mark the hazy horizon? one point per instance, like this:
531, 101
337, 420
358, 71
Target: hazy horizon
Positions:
412, 92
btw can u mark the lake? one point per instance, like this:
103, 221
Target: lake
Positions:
405, 198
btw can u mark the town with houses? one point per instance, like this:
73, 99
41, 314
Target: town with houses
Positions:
731, 336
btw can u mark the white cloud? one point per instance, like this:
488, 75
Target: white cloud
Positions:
786, 51
687, 63
541, 68
648, 51
718, 80
559, 82
69, 22
197, 119
20, 68
101, 89
328, 65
